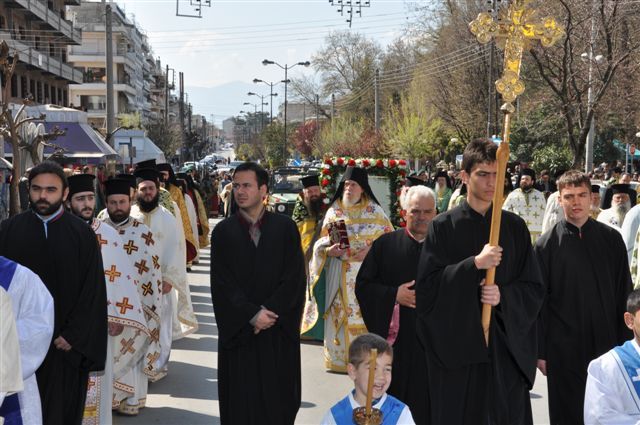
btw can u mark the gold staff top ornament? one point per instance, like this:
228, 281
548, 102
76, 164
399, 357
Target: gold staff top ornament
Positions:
517, 26
515, 29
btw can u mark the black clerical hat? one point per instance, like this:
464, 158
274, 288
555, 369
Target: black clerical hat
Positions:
528, 172
310, 181
117, 187
81, 183
358, 175
149, 163
130, 177
414, 181
441, 173
164, 167
143, 174
620, 188
595, 188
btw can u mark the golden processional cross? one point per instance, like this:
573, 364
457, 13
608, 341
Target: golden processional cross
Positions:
513, 32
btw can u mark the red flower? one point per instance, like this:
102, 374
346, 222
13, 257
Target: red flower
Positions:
340, 161
326, 171
403, 224
403, 173
379, 163
402, 162
365, 163
328, 161
351, 163
325, 182
392, 163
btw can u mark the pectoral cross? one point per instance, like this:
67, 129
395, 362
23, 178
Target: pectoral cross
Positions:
515, 29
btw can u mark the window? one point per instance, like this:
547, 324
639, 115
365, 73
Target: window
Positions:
32, 89
14, 85
39, 97
23, 87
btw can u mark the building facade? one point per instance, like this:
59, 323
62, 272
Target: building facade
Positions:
139, 81
40, 32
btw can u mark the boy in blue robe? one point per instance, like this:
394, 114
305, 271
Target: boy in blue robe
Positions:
393, 410
612, 395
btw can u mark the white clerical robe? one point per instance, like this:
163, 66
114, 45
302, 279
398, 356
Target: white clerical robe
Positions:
611, 218
165, 229
10, 369
193, 219
611, 396
124, 307
553, 212
530, 206
33, 311
139, 246
365, 222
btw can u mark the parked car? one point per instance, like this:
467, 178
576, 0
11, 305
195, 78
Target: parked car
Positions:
285, 186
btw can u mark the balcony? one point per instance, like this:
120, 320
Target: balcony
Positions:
41, 61
39, 9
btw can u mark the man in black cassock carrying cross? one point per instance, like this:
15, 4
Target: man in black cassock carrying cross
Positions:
468, 382
62, 250
257, 286
585, 269
385, 288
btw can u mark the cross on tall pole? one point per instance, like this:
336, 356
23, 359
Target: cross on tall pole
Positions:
518, 26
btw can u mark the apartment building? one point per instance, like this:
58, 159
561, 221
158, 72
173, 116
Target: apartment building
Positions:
40, 32
139, 83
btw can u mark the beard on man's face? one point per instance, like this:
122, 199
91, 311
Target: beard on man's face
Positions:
314, 204
85, 213
148, 206
45, 208
526, 186
118, 216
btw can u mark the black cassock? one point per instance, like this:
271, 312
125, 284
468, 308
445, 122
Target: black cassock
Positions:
69, 263
392, 261
258, 375
468, 382
586, 273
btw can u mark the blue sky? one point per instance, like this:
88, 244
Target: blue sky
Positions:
229, 42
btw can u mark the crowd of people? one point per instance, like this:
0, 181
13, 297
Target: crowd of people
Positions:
94, 291
563, 297
96, 273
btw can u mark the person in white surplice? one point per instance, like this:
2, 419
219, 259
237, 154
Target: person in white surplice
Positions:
33, 312
612, 395
128, 332
174, 275
10, 370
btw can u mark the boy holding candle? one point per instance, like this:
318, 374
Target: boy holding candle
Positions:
393, 410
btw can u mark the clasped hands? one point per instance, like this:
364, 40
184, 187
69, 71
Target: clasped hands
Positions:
264, 320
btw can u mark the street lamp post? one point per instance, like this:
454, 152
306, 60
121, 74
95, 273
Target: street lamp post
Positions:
271, 95
262, 103
255, 112
286, 82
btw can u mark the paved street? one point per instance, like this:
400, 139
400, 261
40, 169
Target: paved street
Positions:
188, 395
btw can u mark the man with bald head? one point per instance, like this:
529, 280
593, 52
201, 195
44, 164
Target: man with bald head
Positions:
385, 292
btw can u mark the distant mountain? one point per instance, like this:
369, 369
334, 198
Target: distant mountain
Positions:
226, 100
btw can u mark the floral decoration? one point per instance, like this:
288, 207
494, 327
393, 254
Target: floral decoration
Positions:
395, 169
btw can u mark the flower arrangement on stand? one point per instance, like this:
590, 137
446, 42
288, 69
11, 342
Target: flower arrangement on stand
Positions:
395, 169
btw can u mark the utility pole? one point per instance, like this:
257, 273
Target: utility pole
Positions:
166, 97
376, 95
333, 111
109, 71
588, 157
317, 111
181, 113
